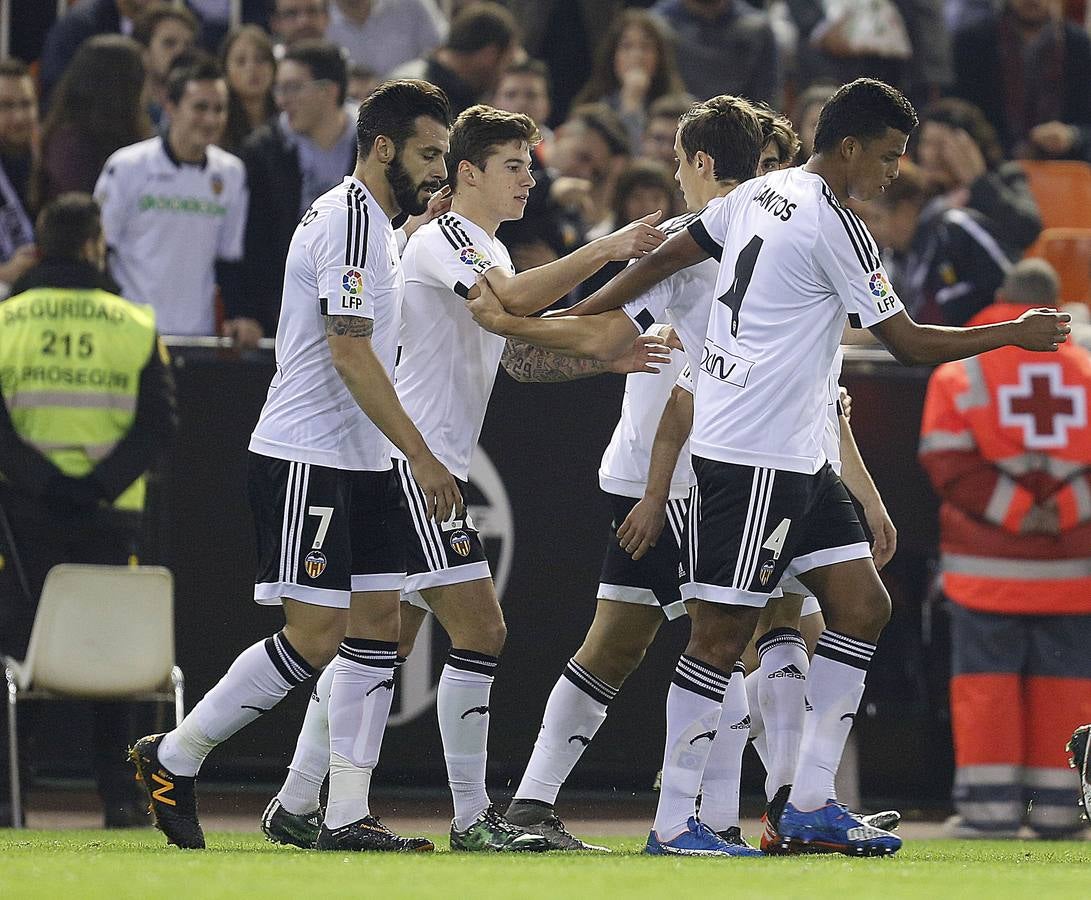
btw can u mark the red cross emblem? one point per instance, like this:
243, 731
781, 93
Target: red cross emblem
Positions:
1043, 406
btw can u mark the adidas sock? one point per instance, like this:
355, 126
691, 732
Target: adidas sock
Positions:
723, 771
694, 703
782, 685
361, 690
259, 678
311, 763
835, 685
757, 724
575, 711
462, 705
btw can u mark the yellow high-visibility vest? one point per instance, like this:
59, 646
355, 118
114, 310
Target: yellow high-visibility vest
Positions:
70, 364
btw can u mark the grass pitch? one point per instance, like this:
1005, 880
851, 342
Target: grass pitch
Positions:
117, 864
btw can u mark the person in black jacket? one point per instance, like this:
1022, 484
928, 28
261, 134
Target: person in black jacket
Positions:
961, 156
1029, 71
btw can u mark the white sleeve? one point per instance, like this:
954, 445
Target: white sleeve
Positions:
685, 379
113, 200
709, 229
233, 227
345, 256
448, 257
845, 251
651, 306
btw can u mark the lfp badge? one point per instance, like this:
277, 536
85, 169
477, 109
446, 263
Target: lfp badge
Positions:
352, 282
878, 285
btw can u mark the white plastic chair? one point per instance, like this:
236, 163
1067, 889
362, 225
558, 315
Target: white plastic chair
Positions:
100, 633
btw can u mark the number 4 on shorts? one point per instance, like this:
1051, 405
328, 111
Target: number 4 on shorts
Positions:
775, 541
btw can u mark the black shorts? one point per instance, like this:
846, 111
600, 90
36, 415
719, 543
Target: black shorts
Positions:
324, 533
748, 526
651, 580
437, 553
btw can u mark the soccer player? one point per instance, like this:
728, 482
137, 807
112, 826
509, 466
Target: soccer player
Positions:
444, 378
794, 262
327, 506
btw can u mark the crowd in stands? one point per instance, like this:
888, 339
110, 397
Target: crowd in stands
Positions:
204, 145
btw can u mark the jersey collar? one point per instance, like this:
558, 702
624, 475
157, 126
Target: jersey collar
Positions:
174, 161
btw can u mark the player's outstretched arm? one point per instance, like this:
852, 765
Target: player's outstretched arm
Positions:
858, 480
603, 337
349, 338
535, 289
644, 524
912, 344
680, 251
526, 363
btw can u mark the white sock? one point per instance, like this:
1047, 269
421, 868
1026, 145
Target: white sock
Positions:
723, 771
835, 685
259, 678
782, 686
311, 761
694, 703
360, 694
576, 708
757, 724
462, 705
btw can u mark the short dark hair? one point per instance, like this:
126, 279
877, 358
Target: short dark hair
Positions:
66, 224
530, 66
198, 66
777, 128
481, 25
13, 68
864, 109
640, 173
325, 61
392, 110
479, 130
961, 114
727, 129
151, 18
603, 121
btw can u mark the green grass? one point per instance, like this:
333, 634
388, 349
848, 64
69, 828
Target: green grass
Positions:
92, 864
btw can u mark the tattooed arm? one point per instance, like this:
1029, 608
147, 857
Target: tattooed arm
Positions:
362, 372
527, 363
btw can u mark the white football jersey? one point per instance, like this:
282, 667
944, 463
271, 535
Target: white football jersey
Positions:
447, 362
794, 262
342, 261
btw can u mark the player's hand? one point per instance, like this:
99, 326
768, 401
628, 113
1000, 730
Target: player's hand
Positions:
441, 493
1054, 138
642, 527
846, 402
21, 261
963, 157
636, 81
647, 354
437, 206
1042, 329
884, 533
636, 239
486, 307
243, 331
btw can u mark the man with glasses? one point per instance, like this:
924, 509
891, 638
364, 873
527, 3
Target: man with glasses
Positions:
291, 161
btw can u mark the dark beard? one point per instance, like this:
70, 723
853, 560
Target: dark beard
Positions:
406, 194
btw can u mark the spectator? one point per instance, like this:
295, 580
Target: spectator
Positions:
657, 142
642, 188
781, 144
805, 116
961, 156
299, 20
361, 82
82, 21
74, 449
946, 263
291, 161
18, 127
480, 44
1029, 71
215, 17
524, 87
96, 109
634, 67
1006, 442
249, 67
383, 34
165, 31
180, 191
724, 47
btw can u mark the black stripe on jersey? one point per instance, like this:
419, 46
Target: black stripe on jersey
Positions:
453, 232
456, 227
679, 224
645, 320
351, 226
462, 290
866, 239
360, 253
700, 234
854, 239
854, 320
450, 237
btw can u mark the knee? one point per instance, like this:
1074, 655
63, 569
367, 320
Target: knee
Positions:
318, 645
494, 635
866, 618
486, 635
614, 663
718, 647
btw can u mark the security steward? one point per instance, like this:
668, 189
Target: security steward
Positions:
87, 408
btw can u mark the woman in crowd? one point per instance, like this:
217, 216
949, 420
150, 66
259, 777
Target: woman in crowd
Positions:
246, 56
96, 108
635, 66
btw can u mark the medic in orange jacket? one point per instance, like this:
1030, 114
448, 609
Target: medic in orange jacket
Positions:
1006, 441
